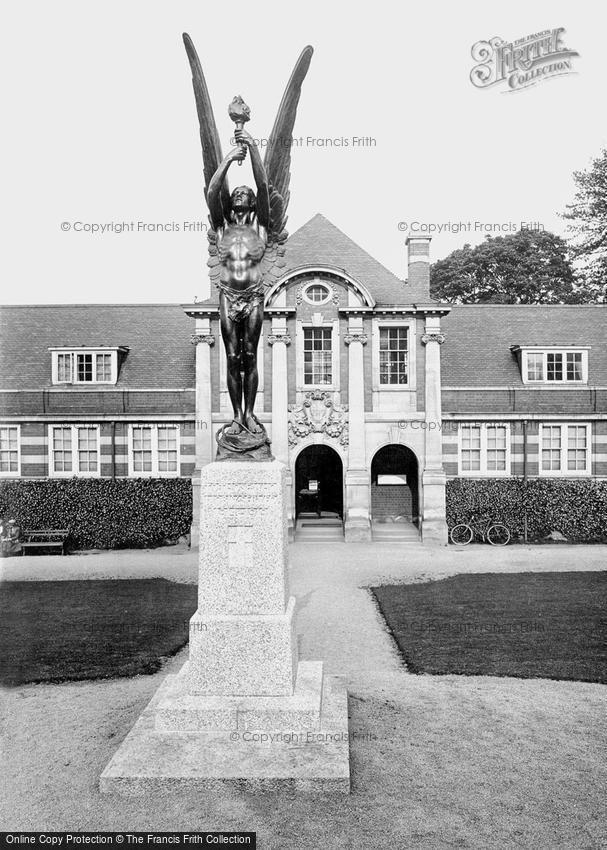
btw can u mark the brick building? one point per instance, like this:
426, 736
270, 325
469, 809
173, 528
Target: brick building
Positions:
373, 393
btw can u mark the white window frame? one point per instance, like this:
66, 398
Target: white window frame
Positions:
545, 351
74, 472
564, 472
483, 472
73, 354
317, 282
333, 326
386, 327
394, 322
12, 474
154, 472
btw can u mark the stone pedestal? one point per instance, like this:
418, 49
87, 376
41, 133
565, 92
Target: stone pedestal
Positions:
243, 709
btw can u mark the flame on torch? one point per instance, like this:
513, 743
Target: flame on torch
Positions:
240, 113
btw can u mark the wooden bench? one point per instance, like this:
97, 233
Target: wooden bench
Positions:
44, 539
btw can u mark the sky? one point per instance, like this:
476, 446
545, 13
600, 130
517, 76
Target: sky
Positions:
100, 128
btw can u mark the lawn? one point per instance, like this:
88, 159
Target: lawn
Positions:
528, 625
53, 631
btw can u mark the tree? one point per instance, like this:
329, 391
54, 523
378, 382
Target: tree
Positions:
588, 228
526, 267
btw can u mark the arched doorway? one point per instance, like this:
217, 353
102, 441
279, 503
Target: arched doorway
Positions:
319, 482
394, 485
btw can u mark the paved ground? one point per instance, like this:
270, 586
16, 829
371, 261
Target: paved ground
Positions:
437, 761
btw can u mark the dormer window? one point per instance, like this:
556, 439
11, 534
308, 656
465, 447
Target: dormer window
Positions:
552, 365
85, 365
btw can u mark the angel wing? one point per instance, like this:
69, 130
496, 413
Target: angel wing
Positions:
211, 148
277, 163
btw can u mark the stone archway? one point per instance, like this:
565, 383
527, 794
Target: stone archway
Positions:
323, 465
394, 485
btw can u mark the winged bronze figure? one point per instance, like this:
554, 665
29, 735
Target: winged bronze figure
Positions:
247, 235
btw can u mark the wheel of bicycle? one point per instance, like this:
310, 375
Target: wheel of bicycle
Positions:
498, 534
461, 535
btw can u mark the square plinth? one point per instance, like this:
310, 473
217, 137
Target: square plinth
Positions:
303, 760
245, 655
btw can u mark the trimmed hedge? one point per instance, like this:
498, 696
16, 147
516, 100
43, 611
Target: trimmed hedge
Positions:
103, 513
577, 509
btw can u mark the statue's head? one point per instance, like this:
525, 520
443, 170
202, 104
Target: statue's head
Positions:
243, 199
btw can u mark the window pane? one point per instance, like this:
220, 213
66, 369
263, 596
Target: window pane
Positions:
471, 448
9, 455
64, 367
142, 449
317, 292
577, 447
167, 449
554, 366
574, 366
317, 356
551, 447
85, 367
103, 367
62, 449
393, 355
535, 366
496, 448
87, 449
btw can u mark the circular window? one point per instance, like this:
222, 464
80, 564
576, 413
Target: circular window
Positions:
317, 293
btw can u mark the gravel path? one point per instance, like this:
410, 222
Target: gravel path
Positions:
437, 761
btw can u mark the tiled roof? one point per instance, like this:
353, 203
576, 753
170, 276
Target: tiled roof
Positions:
158, 336
476, 352
319, 242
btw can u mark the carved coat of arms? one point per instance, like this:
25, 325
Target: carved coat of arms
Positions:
318, 414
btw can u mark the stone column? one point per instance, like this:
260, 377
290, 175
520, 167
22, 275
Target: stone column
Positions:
434, 523
357, 525
279, 339
203, 340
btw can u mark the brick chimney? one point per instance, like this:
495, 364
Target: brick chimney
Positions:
419, 265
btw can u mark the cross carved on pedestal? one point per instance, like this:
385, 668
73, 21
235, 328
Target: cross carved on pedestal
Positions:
239, 539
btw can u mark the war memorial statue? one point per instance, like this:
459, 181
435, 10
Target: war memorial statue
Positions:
247, 238
208, 724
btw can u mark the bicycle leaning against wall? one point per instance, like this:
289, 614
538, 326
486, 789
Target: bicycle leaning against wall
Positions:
495, 533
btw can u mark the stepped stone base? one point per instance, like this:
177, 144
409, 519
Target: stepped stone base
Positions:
275, 757
181, 711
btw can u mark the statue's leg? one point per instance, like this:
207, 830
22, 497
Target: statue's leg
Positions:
230, 332
251, 331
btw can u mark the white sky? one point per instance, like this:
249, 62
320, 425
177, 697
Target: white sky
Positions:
100, 126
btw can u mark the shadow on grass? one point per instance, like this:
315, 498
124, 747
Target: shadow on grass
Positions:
55, 631
527, 625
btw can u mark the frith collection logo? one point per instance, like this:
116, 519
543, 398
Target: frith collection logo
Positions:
522, 63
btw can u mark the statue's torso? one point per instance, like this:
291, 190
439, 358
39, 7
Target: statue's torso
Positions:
241, 249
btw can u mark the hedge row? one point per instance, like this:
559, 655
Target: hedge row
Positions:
103, 513
576, 509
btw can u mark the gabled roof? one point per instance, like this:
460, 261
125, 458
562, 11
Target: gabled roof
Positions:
158, 336
321, 243
476, 352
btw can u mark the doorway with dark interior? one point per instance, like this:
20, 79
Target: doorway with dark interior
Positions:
319, 494
319, 481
